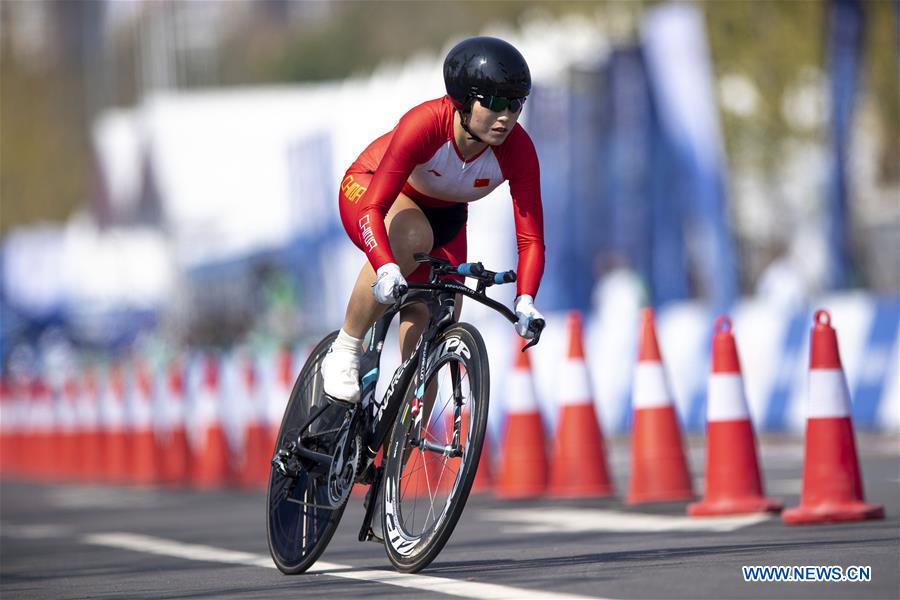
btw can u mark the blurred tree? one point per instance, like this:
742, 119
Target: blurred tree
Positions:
777, 45
45, 164
45, 109
883, 74
773, 44
44, 149
360, 34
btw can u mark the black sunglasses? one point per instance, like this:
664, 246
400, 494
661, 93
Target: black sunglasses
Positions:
501, 103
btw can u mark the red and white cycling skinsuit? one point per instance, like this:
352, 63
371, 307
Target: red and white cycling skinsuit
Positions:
420, 159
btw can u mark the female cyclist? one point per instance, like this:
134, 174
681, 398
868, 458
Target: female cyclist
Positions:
409, 191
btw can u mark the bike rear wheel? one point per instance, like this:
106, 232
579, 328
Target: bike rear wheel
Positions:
300, 519
433, 454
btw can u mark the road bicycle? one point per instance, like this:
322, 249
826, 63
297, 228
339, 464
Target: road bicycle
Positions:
429, 426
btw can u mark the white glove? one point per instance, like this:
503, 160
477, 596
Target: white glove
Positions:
387, 278
525, 310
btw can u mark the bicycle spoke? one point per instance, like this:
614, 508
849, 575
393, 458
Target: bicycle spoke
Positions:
417, 469
423, 467
433, 461
430, 497
415, 503
406, 476
441, 476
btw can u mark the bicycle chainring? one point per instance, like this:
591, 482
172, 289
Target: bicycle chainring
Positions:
344, 467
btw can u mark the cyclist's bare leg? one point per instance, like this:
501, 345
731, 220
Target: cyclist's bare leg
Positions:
413, 320
409, 232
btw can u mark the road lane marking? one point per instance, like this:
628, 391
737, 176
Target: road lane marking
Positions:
547, 520
95, 497
163, 547
452, 587
34, 532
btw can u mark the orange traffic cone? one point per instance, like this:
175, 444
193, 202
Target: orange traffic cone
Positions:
210, 464
17, 423
523, 466
733, 482
142, 441
832, 482
484, 479
659, 470
280, 384
578, 468
256, 456
171, 432
113, 434
10, 425
6, 426
90, 448
66, 452
43, 433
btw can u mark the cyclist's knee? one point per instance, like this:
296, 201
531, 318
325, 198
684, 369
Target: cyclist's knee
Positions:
409, 232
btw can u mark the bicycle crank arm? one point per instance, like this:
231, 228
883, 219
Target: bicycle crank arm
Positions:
322, 462
287, 461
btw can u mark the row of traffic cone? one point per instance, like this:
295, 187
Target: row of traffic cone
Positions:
832, 485
78, 431
578, 464
133, 426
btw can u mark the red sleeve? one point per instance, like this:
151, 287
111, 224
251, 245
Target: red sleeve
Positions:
415, 139
519, 163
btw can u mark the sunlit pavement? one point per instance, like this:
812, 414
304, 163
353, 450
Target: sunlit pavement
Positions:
93, 541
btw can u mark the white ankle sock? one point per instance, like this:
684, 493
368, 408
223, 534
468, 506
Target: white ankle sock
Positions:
347, 343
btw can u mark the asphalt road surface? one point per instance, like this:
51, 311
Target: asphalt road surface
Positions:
74, 541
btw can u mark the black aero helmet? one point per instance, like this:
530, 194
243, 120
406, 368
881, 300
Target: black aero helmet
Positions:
487, 66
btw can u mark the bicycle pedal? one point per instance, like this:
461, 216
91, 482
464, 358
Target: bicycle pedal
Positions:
286, 464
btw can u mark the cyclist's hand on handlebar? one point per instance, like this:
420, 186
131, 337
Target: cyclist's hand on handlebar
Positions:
388, 283
527, 315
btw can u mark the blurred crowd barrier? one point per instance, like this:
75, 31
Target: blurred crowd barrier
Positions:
218, 224
210, 419
206, 192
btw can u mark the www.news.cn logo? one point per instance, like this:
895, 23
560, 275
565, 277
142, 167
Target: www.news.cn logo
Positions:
807, 573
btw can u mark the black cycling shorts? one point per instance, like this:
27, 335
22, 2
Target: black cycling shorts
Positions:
447, 222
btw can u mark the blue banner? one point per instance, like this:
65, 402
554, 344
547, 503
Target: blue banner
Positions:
845, 35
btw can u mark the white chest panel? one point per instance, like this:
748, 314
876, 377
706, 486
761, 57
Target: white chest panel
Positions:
447, 177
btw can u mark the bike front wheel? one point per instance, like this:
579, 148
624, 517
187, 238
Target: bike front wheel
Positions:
434, 449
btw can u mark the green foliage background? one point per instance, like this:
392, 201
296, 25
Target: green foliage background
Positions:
46, 166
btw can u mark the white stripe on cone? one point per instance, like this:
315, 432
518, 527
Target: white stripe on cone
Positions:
651, 389
279, 389
520, 398
575, 387
203, 412
139, 413
112, 411
828, 395
726, 400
